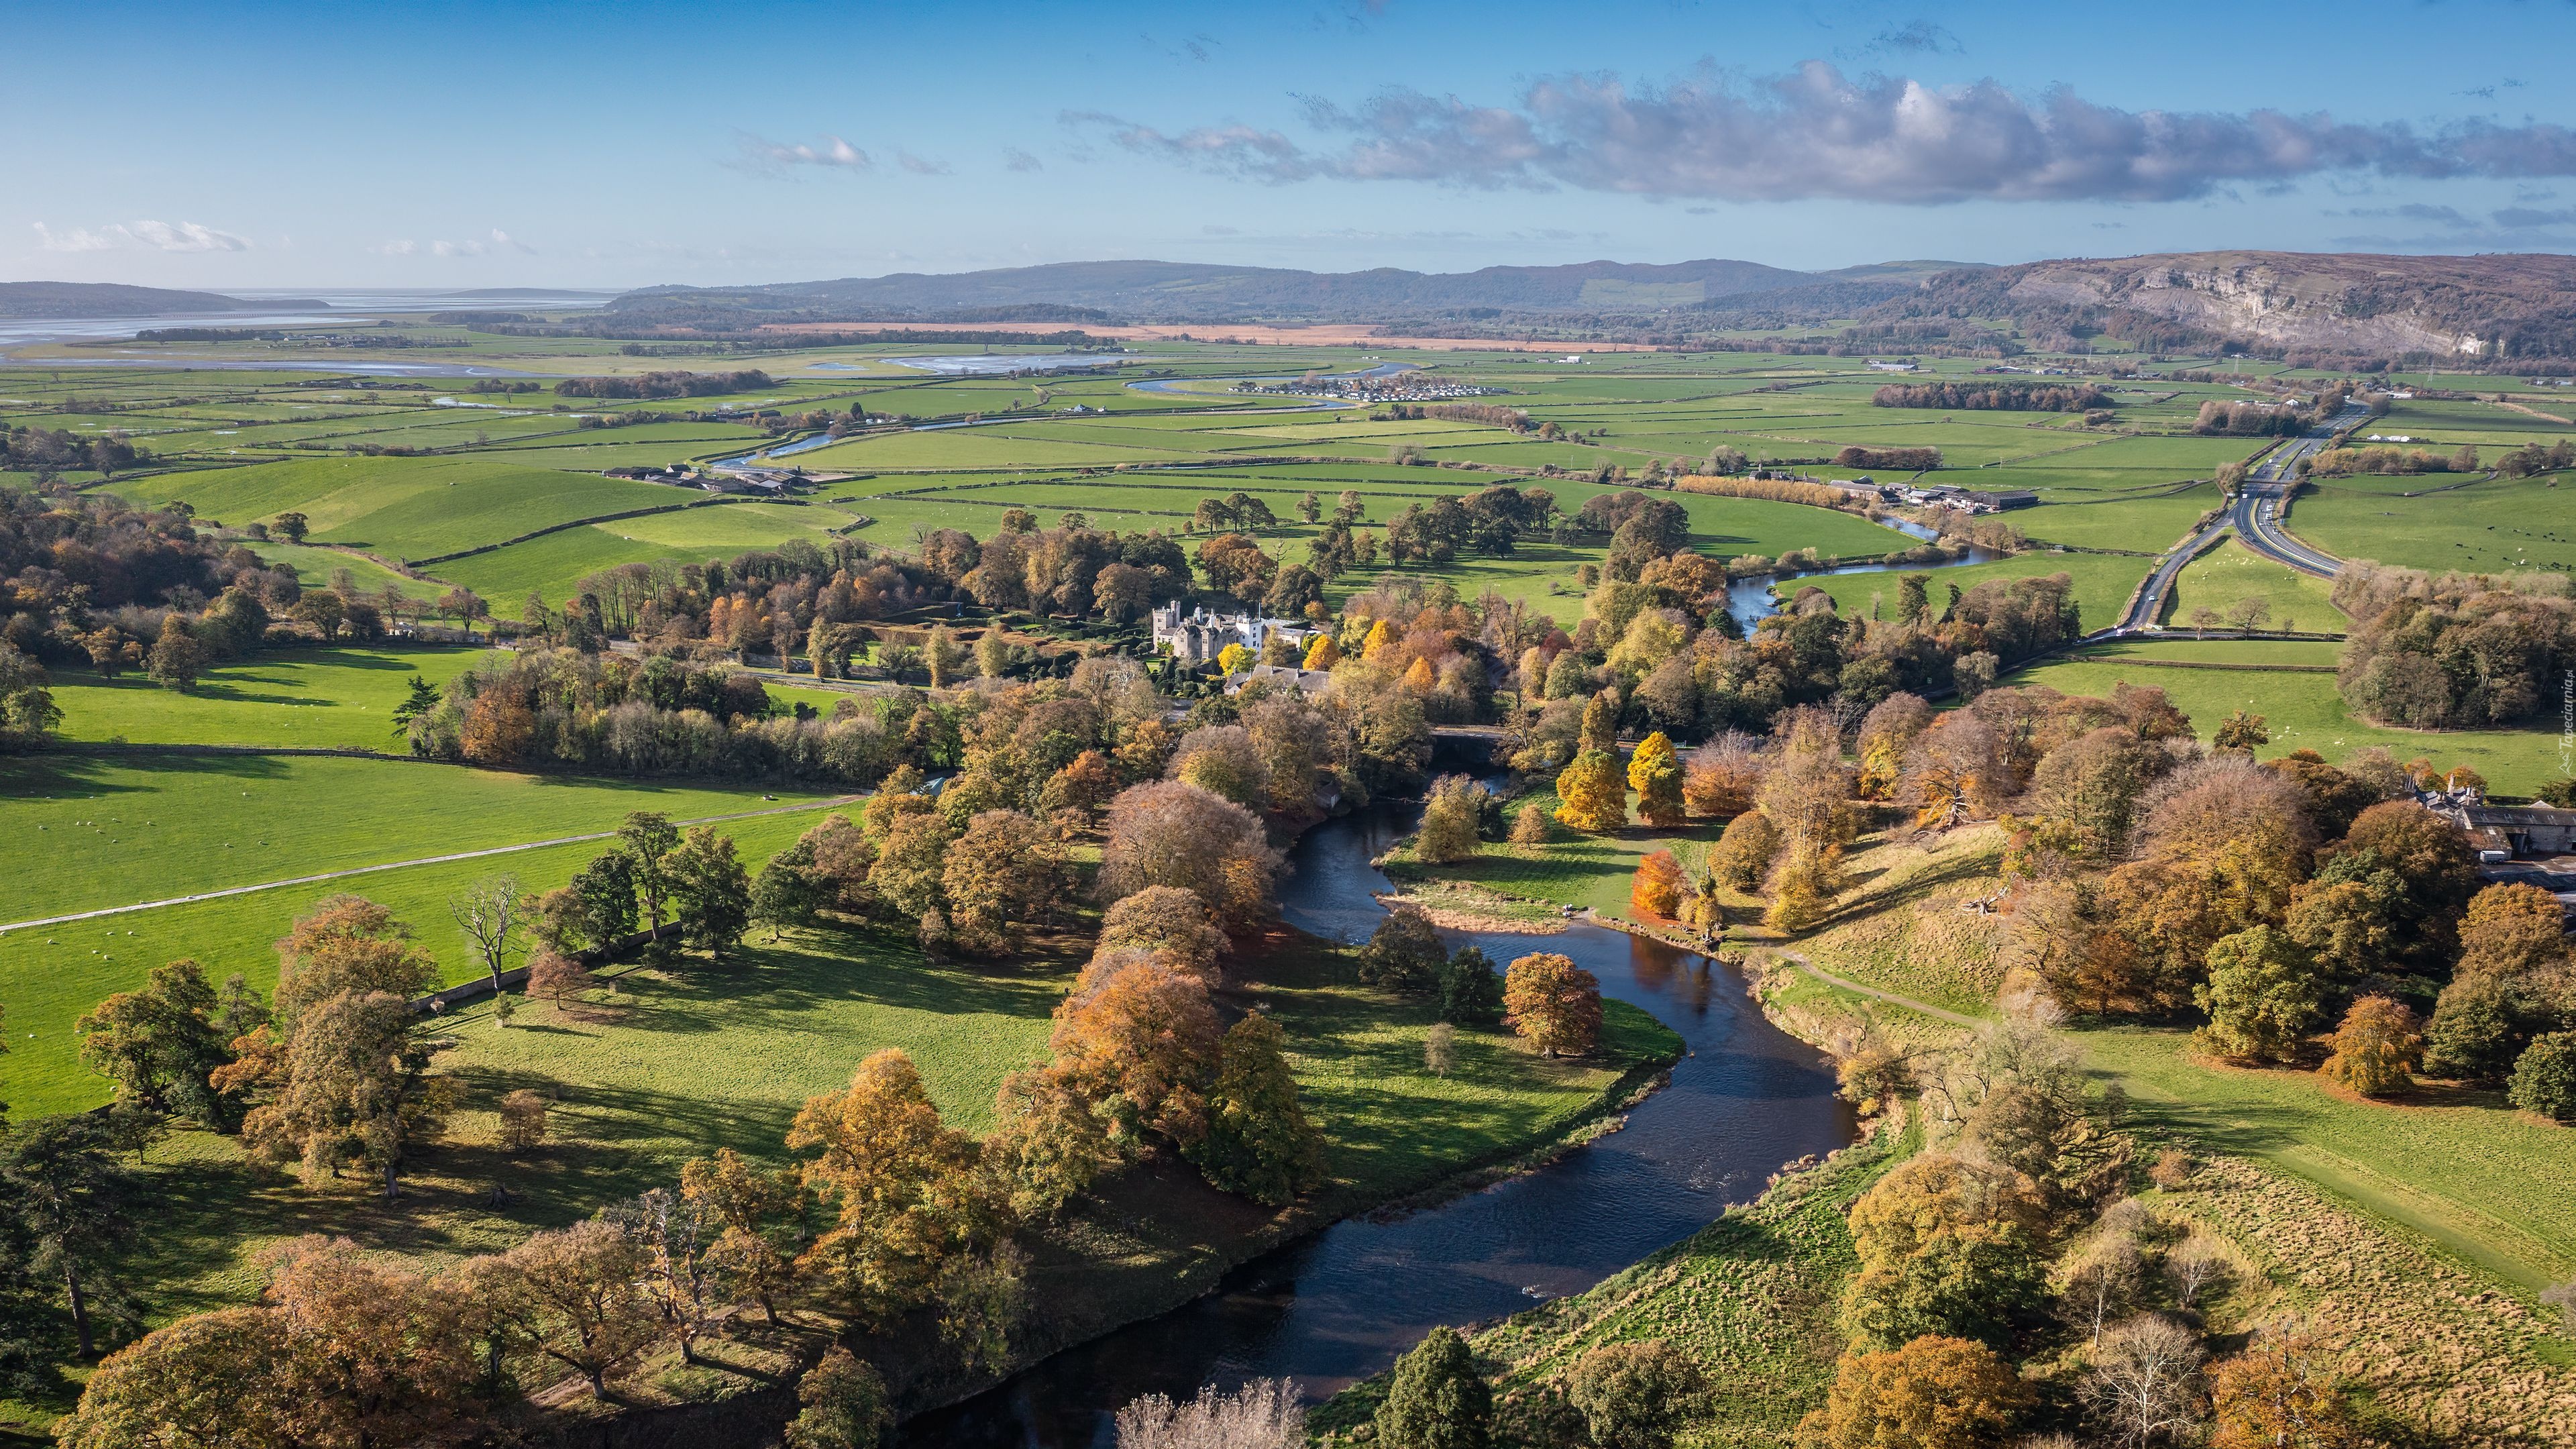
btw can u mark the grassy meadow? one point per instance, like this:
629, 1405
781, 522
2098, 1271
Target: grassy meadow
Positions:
2301, 708
339, 698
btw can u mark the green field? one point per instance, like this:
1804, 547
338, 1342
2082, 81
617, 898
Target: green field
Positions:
2499, 526
2462, 1168
2103, 583
2231, 572
110, 830
339, 698
2302, 709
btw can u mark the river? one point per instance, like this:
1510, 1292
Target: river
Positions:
1343, 1304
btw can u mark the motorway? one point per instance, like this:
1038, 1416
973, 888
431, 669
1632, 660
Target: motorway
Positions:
2256, 514
2255, 517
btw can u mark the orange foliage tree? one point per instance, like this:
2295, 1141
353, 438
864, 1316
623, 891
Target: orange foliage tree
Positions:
1656, 892
1554, 1004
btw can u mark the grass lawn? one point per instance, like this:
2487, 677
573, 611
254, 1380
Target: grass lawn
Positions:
2303, 709
99, 830
314, 566
1573, 870
2231, 572
304, 698
2462, 1168
50, 975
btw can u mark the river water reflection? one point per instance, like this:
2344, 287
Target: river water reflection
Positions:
1342, 1305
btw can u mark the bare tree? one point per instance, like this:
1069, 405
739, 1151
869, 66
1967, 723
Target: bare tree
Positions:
1264, 1414
2196, 1265
2145, 1385
489, 912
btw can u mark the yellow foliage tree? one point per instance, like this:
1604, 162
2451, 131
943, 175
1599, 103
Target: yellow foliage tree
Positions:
1381, 638
1234, 659
1325, 654
1594, 797
1655, 773
1419, 679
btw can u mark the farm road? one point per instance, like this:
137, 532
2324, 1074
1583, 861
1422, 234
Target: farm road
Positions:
401, 865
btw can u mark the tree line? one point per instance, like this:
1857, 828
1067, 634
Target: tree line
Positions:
2453, 651
665, 384
1993, 396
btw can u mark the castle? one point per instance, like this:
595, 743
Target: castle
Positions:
1199, 636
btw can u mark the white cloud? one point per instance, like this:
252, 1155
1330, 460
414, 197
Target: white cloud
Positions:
1019, 160
1815, 132
833, 152
395, 248
920, 166
186, 236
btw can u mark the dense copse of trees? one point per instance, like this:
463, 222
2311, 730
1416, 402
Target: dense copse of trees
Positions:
1995, 396
2454, 651
1902, 460
652, 715
665, 384
2345, 462
1492, 415
54, 450
2535, 457
2286, 419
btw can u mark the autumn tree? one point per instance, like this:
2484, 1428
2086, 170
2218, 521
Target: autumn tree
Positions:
1955, 771
2240, 733
523, 1121
205, 1380
2513, 932
1175, 834
357, 1090
1169, 922
2263, 994
897, 1181
1451, 814
347, 944
1593, 794
1004, 870
1553, 1004
1139, 1042
1743, 854
575, 1295
1436, 1399
755, 1211
1404, 953
911, 868
1259, 1142
1655, 892
2281, 1393
1223, 760
555, 976
1948, 1249
1655, 773
1723, 776
843, 1404
672, 1235
2376, 1049
1932, 1393
1886, 733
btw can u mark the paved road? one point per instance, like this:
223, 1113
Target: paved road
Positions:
2256, 514
2255, 517
400, 865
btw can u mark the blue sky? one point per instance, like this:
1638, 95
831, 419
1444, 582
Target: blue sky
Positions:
614, 145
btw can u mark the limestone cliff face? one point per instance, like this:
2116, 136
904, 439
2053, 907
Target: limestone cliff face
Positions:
2291, 301
2472, 308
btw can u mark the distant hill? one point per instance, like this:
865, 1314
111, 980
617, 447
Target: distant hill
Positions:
2479, 309
109, 299
1191, 292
